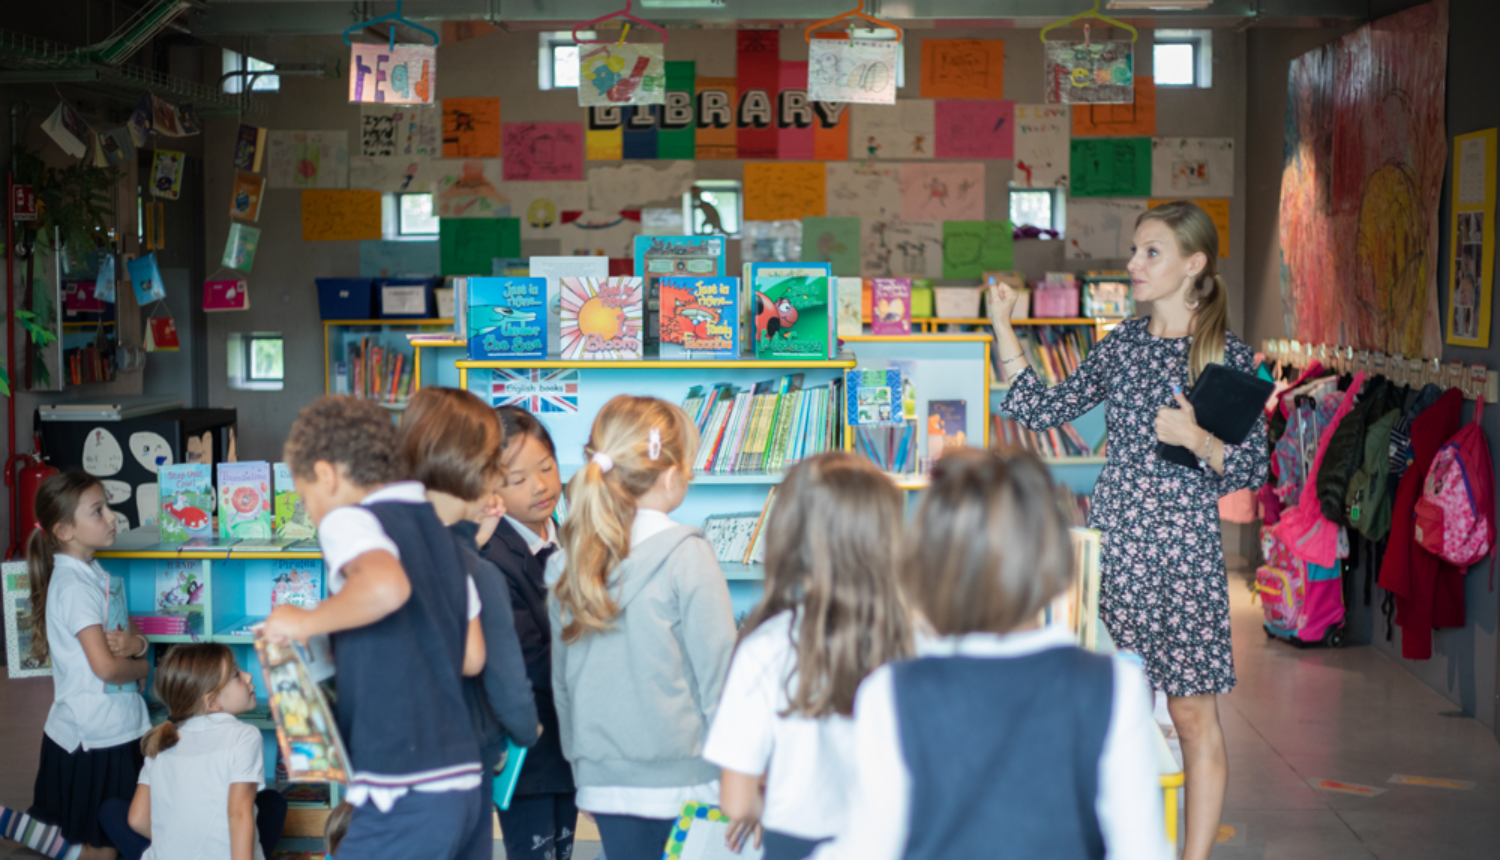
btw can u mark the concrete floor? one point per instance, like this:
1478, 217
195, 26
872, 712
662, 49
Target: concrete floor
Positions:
1297, 717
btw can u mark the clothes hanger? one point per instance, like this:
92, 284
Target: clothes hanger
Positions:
856, 12
395, 18
1093, 14
623, 14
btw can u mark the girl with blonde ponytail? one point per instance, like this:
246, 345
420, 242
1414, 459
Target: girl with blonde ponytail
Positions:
1163, 581
642, 629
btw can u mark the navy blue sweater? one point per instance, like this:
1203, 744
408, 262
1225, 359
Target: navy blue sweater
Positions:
545, 771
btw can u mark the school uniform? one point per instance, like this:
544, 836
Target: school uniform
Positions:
415, 766
542, 814
808, 763
91, 741
1051, 742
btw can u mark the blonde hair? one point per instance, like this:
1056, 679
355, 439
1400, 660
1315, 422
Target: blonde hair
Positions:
1196, 234
188, 674
833, 549
57, 501
602, 501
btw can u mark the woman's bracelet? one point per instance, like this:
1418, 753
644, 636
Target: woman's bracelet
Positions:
144, 651
1017, 356
1208, 447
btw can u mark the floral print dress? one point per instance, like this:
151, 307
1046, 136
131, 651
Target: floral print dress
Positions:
1164, 593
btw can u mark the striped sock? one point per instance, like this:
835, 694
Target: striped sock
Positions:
43, 838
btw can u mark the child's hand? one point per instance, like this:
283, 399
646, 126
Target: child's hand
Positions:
489, 518
285, 622
740, 832
123, 643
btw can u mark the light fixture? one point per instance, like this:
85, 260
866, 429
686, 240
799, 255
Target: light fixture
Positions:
1160, 5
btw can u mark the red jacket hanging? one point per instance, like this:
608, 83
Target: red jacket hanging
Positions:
1429, 592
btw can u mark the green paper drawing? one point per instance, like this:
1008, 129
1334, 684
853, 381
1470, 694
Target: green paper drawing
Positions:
971, 248
834, 241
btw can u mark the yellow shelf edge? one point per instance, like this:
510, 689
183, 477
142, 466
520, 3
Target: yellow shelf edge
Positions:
909, 338
401, 322
647, 364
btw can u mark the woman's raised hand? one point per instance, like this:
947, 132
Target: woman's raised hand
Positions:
1002, 301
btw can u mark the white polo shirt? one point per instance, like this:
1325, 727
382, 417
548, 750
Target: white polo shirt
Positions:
190, 787
83, 714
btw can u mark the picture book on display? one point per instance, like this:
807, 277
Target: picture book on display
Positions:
506, 318
602, 319
892, 306
245, 501
297, 582
874, 396
293, 522
554, 269
791, 310
186, 495
946, 420
658, 257
179, 583
700, 317
850, 312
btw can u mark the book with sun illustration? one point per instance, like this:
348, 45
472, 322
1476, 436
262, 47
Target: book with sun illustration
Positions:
700, 318
507, 318
602, 319
790, 309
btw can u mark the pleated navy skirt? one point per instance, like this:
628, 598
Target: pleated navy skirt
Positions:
70, 787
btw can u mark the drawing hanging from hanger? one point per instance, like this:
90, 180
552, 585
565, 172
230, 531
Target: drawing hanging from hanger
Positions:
1089, 72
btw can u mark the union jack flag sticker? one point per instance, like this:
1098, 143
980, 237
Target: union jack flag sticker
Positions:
536, 390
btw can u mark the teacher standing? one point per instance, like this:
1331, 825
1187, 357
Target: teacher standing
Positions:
1163, 590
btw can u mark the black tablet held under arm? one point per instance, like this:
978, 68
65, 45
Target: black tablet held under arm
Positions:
1227, 402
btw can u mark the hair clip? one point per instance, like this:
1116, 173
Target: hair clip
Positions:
653, 446
603, 461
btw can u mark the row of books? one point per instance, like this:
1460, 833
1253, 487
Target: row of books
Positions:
374, 371
768, 428
185, 621
244, 503
1056, 443
1055, 352
87, 364
740, 538
892, 447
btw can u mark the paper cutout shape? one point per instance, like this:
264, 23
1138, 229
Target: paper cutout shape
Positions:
905, 131
632, 74
896, 248
852, 70
467, 246
543, 151
540, 205
607, 234
942, 192
340, 214
1101, 229
1042, 150
471, 128
102, 456
1192, 167
147, 504
1092, 72
116, 492
970, 248
1217, 209
467, 188
602, 318
146, 278
248, 190
239, 247
1138, 117
250, 149
401, 131
975, 129
225, 296
389, 173
784, 191
307, 159
834, 241
151, 450
166, 174
963, 69
1110, 167
631, 186
863, 189
396, 259
405, 74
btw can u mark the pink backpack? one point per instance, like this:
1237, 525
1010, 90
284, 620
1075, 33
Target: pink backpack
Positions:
1455, 517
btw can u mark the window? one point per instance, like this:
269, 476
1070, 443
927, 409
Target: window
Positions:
712, 207
1183, 58
235, 62
414, 215
256, 361
264, 359
557, 62
1034, 208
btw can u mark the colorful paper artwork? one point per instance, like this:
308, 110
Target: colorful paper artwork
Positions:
970, 248
1471, 258
602, 318
471, 128
778, 191
1365, 155
166, 174
1217, 209
1192, 167
1110, 167
975, 129
852, 70
1090, 72
758, 68
942, 192
340, 214
834, 241
864, 189
467, 188
245, 202
963, 69
1042, 151
389, 173
540, 205
307, 159
896, 248
612, 188
716, 100
239, 247
468, 246
405, 74
1136, 118
904, 131
632, 74
394, 259
1101, 228
599, 234
543, 151
405, 131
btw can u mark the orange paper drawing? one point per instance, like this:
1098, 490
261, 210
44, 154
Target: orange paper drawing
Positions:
471, 128
1137, 119
337, 214
785, 191
963, 69
1218, 210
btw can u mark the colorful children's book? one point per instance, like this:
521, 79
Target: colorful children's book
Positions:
510, 774
700, 833
791, 308
186, 494
874, 396
117, 617
946, 420
850, 294
507, 318
296, 582
892, 298
292, 519
700, 317
602, 319
658, 257
179, 583
554, 269
146, 278
305, 727
245, 500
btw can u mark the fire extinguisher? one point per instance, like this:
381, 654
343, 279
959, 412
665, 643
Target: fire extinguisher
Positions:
26, 481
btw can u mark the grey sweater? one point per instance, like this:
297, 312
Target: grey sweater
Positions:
634, 703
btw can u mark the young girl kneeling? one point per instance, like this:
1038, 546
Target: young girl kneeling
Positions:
1003, 739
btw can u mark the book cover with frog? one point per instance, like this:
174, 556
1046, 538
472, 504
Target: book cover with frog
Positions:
700, 318
245, 500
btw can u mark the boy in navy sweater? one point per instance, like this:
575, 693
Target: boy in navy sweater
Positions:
405, 628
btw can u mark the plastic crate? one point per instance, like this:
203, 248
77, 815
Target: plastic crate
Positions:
346, 298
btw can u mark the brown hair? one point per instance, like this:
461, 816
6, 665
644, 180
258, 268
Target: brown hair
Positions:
57, 501
601, 504
451, 442
1209, 298
992, 547
336, 826
833, 543
519, 424
345, 431
185, 677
